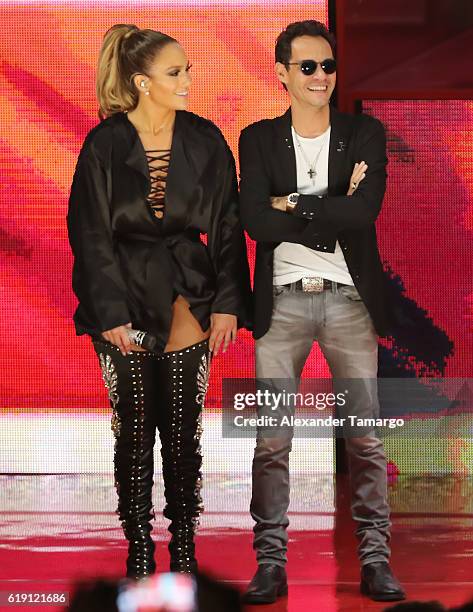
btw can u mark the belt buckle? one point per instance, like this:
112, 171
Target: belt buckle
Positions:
312, 284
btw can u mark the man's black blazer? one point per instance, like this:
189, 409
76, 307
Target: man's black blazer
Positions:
268, 168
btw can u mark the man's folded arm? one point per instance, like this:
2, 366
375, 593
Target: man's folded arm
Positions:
362, 208
263, 223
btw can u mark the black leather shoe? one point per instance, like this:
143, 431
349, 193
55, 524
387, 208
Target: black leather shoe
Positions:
269, 583
379, 583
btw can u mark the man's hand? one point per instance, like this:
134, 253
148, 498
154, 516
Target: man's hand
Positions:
279, 202
358, 174
223, 328
119, 337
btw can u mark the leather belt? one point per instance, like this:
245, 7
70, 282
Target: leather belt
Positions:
314, 284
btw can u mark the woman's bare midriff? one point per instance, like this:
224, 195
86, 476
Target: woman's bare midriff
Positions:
185, 329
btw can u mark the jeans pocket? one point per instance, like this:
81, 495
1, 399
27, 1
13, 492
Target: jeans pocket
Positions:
279, 290
350, 292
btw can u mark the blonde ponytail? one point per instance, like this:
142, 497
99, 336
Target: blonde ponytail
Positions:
126, 51
112, 95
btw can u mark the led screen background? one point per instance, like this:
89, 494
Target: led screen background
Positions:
47, 105
426, 225
425, 234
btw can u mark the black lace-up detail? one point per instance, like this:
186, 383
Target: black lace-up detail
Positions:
158, 174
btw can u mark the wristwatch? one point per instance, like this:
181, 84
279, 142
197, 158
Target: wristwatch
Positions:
291, 202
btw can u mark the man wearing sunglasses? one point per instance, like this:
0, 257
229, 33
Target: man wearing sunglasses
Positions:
312, 185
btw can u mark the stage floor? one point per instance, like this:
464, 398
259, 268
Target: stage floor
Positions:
55, 529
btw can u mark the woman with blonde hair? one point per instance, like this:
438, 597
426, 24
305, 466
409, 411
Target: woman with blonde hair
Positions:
150, 178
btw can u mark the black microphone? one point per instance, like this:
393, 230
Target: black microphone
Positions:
141, 338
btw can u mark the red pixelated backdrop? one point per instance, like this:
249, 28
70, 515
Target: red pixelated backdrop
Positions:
49, 52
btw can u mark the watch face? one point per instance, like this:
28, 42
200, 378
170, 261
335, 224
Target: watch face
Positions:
293, 197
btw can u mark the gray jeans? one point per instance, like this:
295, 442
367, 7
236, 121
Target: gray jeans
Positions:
339, 321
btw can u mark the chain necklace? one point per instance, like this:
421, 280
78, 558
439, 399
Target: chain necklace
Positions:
312, 172
154, 131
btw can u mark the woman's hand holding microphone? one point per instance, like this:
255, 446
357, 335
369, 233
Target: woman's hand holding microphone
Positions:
223, 329
119, 337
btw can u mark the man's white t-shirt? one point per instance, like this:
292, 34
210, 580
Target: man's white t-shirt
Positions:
294, 261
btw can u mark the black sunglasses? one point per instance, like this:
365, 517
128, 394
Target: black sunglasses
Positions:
308, 67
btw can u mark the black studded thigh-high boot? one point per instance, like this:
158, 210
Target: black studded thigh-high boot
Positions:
183, 382
132, 393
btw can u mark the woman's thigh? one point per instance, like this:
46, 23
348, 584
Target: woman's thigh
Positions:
185, 329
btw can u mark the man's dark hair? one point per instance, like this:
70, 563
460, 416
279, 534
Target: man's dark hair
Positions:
300, 28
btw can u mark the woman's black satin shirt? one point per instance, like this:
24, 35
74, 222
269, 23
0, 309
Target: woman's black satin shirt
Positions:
130, 265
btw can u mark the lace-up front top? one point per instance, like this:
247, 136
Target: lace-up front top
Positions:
158, 164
